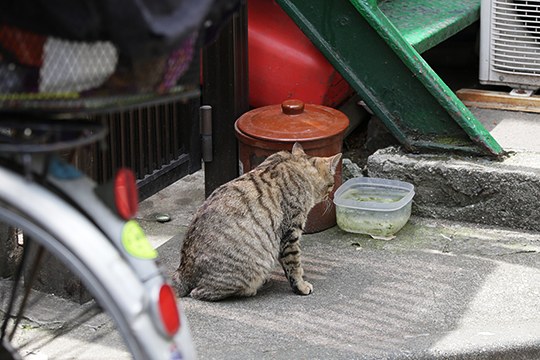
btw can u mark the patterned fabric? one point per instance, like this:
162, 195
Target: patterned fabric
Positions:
178, 63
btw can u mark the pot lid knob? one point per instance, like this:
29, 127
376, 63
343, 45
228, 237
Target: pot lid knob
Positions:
292, 107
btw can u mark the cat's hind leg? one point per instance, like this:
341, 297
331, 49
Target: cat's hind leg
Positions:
181, 286
289, 258
206, 294
209, 294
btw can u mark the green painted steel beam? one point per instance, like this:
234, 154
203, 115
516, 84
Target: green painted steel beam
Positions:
390, 75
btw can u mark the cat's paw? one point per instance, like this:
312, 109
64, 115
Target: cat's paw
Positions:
303, 288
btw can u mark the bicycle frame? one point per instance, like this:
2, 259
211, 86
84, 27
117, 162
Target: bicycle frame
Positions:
82, 223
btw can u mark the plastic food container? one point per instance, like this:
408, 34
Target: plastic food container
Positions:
378, 207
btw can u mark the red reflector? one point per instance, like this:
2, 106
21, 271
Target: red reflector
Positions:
168, 310
126, 197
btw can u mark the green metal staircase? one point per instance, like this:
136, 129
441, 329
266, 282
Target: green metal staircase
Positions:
376, 46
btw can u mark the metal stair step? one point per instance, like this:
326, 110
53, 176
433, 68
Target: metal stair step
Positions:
426, 23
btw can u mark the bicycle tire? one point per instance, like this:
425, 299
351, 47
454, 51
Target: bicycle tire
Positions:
116, 288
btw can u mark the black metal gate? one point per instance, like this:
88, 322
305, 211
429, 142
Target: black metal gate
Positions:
159, 142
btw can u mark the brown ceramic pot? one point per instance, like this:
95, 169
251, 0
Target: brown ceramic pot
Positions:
269, 129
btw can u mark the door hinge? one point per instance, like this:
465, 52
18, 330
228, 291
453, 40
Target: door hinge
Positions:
205, 114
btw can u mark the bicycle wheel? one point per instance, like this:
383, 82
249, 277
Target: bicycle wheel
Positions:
113, 285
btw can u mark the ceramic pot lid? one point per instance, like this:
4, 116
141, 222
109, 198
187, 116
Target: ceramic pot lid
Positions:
293, 120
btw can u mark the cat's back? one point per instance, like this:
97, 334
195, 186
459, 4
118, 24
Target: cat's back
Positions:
255, 197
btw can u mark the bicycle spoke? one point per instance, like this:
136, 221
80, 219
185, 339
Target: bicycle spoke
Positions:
14, 291
7, 351
28, 283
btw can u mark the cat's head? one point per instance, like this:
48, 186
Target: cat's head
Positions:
322, 170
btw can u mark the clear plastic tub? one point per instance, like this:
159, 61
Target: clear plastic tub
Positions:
378, 207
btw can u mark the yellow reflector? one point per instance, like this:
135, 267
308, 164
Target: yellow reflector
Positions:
135, 241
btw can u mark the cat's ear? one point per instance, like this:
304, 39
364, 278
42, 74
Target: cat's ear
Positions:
297, 149
334, 162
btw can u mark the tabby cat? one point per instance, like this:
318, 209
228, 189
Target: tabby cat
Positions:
248, 224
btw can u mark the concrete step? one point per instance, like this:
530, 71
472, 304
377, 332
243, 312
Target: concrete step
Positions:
475, 189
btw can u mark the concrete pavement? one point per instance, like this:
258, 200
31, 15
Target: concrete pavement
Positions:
440, 289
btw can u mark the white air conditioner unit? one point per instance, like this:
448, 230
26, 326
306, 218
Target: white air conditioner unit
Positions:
510, 43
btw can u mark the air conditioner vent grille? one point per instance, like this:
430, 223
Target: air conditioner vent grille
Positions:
516, 37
